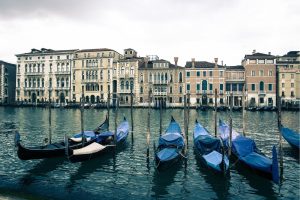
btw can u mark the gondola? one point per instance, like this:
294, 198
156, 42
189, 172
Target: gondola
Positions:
170, 146
104, 143
210, 149
292, 137
245, 151
58, 148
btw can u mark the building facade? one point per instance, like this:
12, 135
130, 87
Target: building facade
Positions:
92, 74
202, 78
260, 71
166, 81
288, 67
7, 82
42, 74
235, 81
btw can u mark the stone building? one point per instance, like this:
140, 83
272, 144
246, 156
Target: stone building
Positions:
165, 80
260, 71
202, 78
235, 81
7, 82
288, 67
43, 73
93, 73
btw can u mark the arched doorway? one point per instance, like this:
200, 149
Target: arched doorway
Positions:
62, 98
33, 97
87, 99
204, 99
92, 99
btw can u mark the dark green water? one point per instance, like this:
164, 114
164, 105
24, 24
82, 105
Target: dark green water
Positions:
127, 175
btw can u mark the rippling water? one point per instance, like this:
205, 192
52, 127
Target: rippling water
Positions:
127, 174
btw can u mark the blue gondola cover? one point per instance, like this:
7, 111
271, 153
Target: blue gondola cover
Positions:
292, 137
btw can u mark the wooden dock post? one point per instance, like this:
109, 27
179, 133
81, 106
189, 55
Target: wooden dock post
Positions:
230, 136
160, 116
216, 107
50, 124
280, 138
131, 113
116, 118
185, 125
148, 124
244, 112
108, 106
81, 119
188, 119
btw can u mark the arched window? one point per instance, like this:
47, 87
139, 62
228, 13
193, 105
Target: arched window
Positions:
43, 83
171, 78
101, 75
30, 81
38, 82
18, 82
261, 86
122, 85
150, 78
204, 85
162, 78
141, 90
62, 82
166, 76
131, 85
131, 70
62, 67
29, 67
26, 82
180, 89
115, 70
50, 82
25, 67
127, 85
122, 70
57, 82
34, 82
180, 77
67, 82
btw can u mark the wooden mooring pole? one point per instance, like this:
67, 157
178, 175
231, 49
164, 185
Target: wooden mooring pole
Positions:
280, 137
185, 126
244, 111
50, 124
148, 124
108, 106
131, 113
188, 119
160, 116
116, 118
230, 125
81, 119
216, 107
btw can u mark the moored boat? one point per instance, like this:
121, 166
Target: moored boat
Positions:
245, 151
58, 148
292, 137
170, 147
210, 149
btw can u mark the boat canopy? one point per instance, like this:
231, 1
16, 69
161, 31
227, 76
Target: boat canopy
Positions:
291, 136
206, 144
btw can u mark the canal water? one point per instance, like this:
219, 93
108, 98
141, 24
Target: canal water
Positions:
127, 175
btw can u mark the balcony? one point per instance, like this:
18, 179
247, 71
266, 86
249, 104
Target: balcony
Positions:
90, 81
126, 75
234, 92
34, 73
158, 82
34, 88
155, 93
262, 92
62, 88
125, 91
62, 73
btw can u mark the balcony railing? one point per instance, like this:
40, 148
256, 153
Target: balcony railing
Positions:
261, 92
158, 82
34, 88
90, 81
62, 72
125, 91
34, 73
234, 92
160, 93
62, 88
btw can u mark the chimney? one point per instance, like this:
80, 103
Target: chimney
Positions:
222, 63
146, 61
176, 61
254, 51
269, 53
193, 62
216, 62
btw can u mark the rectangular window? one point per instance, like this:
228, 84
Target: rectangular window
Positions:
210, 73
221, 87
261, 61
198, 86
210, 86
270, 87
188, 74
198, 73
261, 100
253, 87
292, 76
252, 73
282, 85
221, 73
261, 72
252, 61
282, 76
292, 85
204, 73
188, 87
270, 73
228, 86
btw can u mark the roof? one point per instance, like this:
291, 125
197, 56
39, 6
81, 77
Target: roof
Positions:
6, 63
259, 56
287, 62
201, 64
95, 50
44, 51
235, 67
292, 54
150, 65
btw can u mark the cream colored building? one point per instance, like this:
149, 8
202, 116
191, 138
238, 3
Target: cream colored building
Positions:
288, 67
125, 77
92, 74
202, 78
44, 72
260, 71
165, 80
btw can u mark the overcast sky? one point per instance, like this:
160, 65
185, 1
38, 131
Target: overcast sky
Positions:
203, 29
